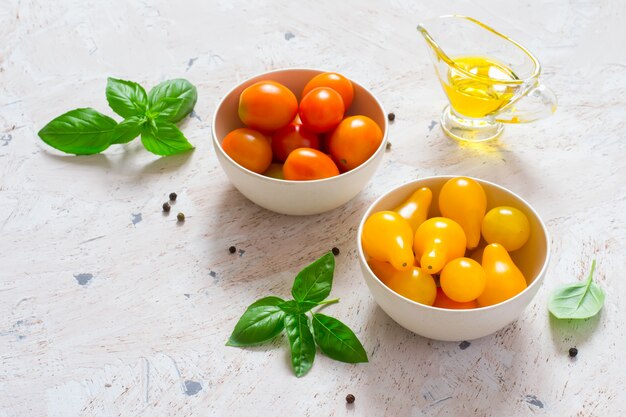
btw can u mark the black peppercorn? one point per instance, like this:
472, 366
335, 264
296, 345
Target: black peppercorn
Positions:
391, 117
573, 352
180, 217
173, 196
335, 251
388, 146
166, 207
350, 398
232, 249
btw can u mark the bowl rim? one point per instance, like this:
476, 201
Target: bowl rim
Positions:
218, 146
536, 282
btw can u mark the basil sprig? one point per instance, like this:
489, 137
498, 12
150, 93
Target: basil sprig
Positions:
151, 115
580, 300
269, 316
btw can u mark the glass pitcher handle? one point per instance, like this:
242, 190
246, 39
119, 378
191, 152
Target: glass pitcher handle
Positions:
537, 103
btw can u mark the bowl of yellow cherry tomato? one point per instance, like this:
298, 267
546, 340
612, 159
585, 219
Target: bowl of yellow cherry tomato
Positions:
452, 258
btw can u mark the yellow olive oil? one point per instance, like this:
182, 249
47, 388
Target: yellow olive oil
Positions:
483, 94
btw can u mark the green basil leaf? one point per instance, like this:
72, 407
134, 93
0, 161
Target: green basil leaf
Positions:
172, 100
164, 138
577, 301
79, 131
296, 307
126, 98
301, 343
336, 340
267, 301
315, 281
262, 321
128, 129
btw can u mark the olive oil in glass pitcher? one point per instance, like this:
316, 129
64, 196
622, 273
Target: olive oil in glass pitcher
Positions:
489, 79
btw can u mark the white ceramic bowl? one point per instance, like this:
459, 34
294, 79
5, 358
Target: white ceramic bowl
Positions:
296, 197
457, 325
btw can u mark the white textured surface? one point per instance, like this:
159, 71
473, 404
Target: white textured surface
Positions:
145, 333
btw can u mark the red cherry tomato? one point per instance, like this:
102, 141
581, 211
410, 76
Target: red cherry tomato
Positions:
305, 164
354, 141
249, 148
267, 106
337, 82
321, 109
290, 137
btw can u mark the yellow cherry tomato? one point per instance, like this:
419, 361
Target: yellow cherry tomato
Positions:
463, 200
414, 283
382, 269
504, 279
388, 237
437, 241
463, 279
415, 208
443, 301
507, 226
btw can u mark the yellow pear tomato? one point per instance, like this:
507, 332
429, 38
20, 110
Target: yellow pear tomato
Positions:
388, 237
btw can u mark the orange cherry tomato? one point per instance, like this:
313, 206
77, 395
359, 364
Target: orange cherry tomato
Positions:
304, 164
442, 301
354, 141
337, 82
321, 109
290, 137
267, 106
249, 148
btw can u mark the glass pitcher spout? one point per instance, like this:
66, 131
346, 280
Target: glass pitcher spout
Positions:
488, 78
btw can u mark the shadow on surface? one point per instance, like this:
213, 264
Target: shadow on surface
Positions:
122, 160
167, 164
572, 333
98, 160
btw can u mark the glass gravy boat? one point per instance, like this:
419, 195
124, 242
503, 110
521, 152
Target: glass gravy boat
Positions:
489, 79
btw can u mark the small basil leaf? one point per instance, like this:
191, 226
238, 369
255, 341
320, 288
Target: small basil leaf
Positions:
315, 281
262, 321
126, 98
128, 129
577, 301
301, 343
296, 307
172, 100
164, 138
336, 340
80, 131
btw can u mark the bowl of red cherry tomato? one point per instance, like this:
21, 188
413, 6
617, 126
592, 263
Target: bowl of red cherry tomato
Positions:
299, 141
453, 258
